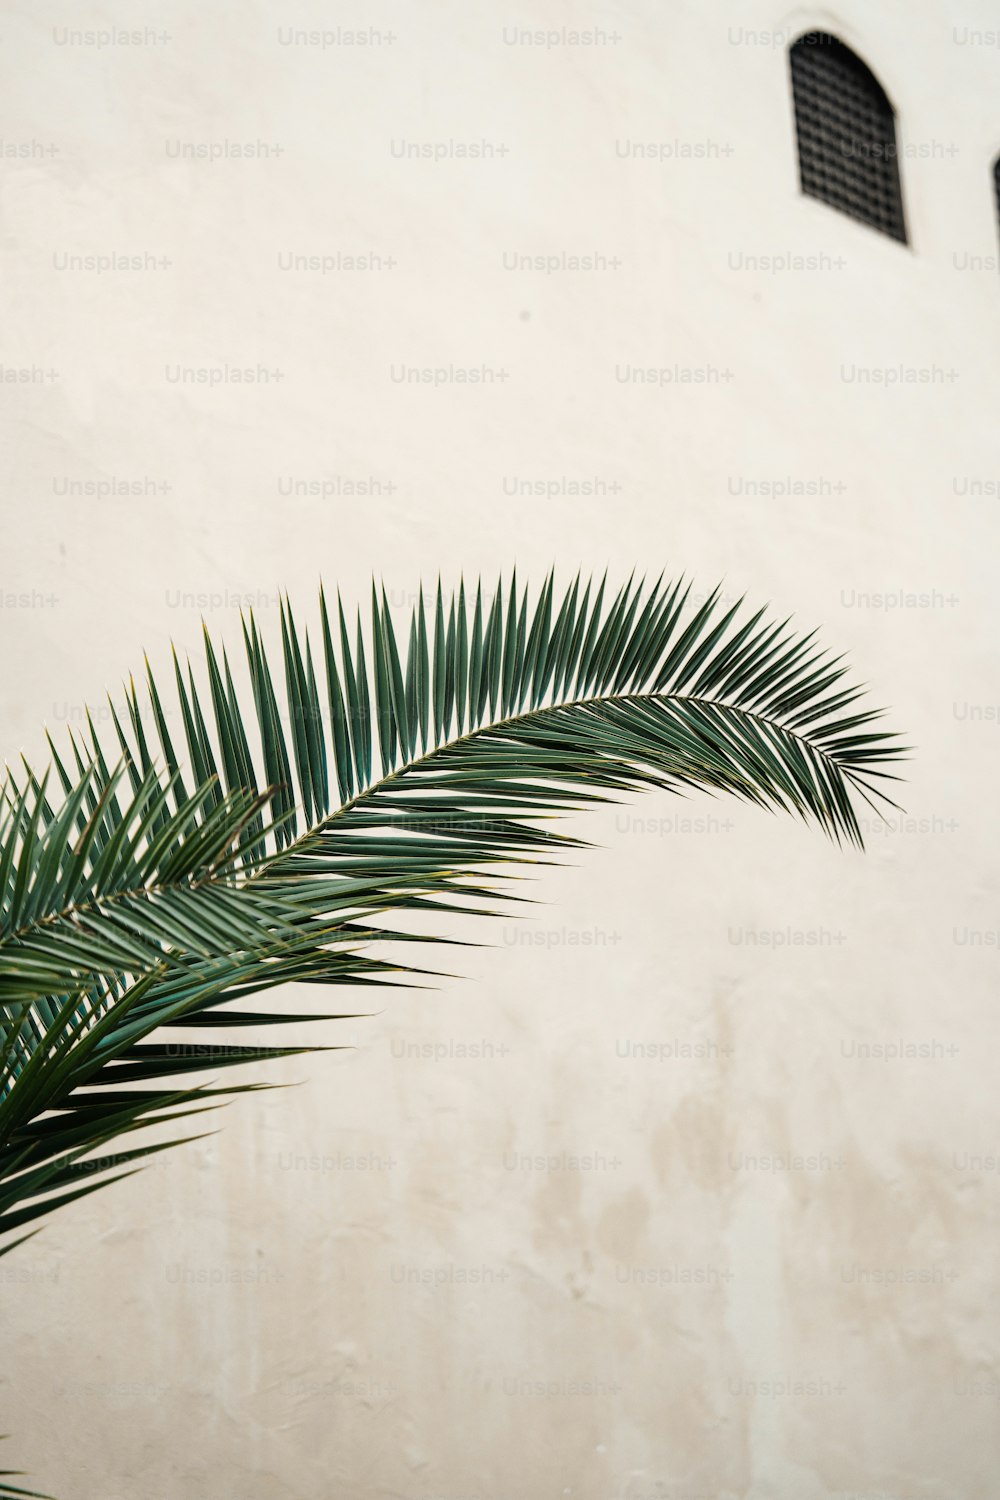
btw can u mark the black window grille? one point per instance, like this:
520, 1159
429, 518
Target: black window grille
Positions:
996, 185
846, 131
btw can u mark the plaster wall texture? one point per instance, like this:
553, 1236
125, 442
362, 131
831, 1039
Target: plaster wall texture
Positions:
772, 1272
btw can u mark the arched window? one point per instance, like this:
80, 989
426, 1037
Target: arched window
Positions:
846, 131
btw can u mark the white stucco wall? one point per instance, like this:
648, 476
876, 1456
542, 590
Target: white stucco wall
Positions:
772, 1357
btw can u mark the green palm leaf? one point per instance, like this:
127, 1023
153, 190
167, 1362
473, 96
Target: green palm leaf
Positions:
127, 917
356, 776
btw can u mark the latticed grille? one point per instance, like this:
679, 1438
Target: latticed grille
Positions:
846, 133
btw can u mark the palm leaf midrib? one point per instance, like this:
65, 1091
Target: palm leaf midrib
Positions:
374, 787
104, 903
274, 862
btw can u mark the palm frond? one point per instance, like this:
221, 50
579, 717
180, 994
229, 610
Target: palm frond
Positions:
366, 771
127, 916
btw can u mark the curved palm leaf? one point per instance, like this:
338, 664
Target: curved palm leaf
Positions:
313, 814
121, 920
